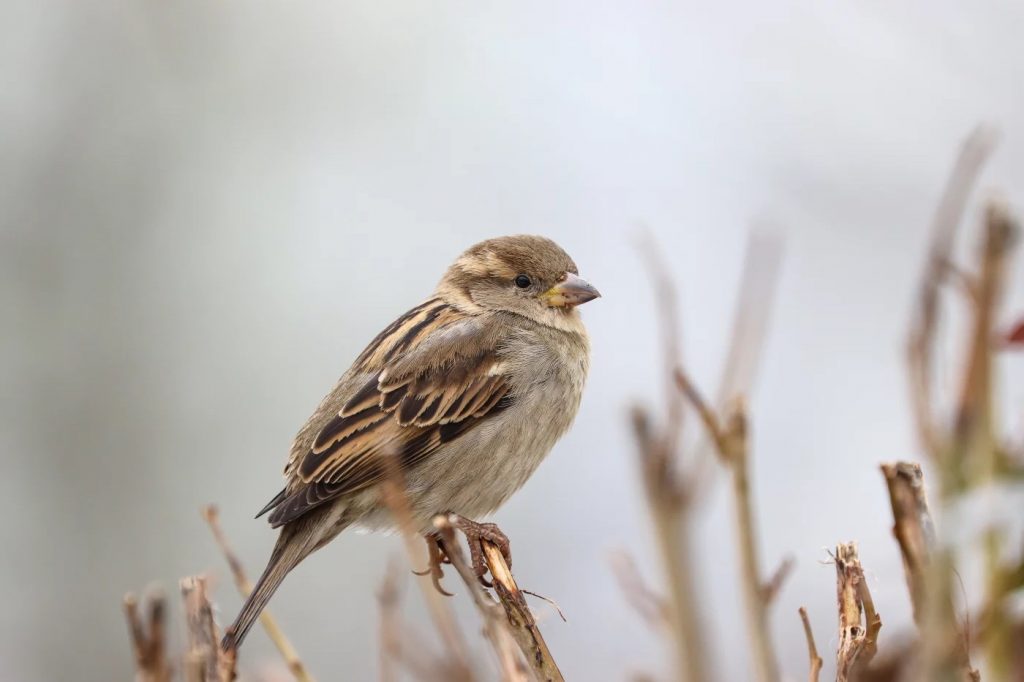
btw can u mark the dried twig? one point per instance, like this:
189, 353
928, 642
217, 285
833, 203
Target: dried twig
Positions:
964, 447
204, 660
502, 632
269, 623
670, 494
812, 650
858, 639
456, 665
649, 604
771, 587
976, 444
521, 621
761, 263
400, 644
149, 638
390, 636
921, 345
668, 500
730, 439
912, 527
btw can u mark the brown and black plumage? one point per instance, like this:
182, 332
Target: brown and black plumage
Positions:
467, 392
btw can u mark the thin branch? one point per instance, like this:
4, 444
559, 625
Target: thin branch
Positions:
974, 439
457, 660
731, 442
667, 299
521, 621
389, 635
812, 650
872, 621
398, 643
241, 580
858, 639
912, 527
668, 501
976, 445
204, 660
649, 604
501, 632
771, 588
671, 492
551, 602
148, 638
921, 345
761, 264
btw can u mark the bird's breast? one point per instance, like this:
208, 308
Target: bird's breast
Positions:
474, 474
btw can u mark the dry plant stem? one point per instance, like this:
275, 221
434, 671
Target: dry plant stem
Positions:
650, 605
975, 440
945, 655
502, 635
671, 345
672, 494
269, 623
204, 660
974, 435
670, 506
398, 644
148, 639
389, 635
521, 621
770, 589
921, 346
912, 527
965, 454
858, 640
812, 649
457, 659
731, 442
761, 264
758, 624
673, 531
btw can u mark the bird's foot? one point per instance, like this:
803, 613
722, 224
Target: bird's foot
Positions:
476, 533
435, 557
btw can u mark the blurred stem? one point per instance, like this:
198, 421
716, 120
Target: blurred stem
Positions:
673, 530
732, 445
816, 662
736, 453
975, 443
284, 646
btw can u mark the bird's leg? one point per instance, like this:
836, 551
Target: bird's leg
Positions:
435, 557
476, 533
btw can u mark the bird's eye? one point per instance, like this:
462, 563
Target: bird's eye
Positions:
522, 281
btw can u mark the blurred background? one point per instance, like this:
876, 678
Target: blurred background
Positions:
209, 208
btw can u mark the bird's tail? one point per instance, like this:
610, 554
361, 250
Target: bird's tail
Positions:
291, 548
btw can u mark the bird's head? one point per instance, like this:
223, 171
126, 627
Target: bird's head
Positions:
523, 274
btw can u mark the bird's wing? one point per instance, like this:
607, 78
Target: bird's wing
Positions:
430, 377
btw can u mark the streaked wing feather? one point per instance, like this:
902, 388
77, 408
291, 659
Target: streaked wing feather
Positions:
422, 391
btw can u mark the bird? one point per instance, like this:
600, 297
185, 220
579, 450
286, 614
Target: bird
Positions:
465, 394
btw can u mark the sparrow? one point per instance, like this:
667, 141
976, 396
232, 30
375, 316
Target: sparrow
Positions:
465, 394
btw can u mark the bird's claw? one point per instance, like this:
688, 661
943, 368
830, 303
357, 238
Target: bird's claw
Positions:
476, 533
435, 557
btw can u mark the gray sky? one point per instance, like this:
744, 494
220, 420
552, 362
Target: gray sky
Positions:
209, 208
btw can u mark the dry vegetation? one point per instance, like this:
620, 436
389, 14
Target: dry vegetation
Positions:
961, 443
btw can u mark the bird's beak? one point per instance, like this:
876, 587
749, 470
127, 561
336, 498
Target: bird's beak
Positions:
570, 292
